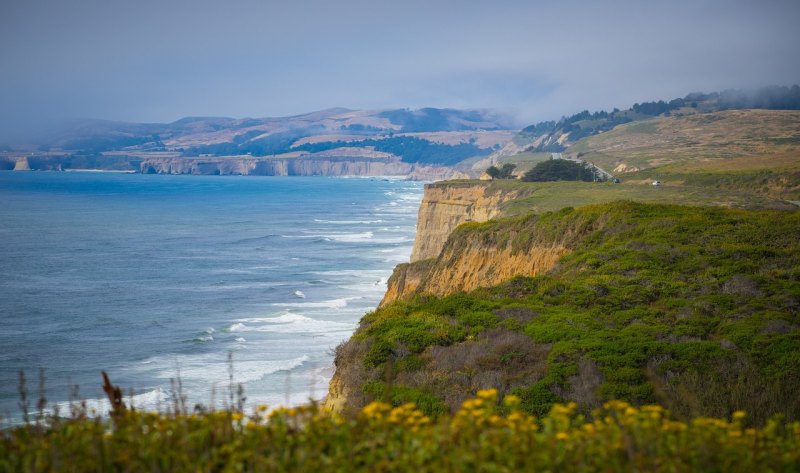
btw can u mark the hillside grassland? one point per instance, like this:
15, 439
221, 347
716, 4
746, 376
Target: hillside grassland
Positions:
525, 161
540, 197
729, 140
697, 309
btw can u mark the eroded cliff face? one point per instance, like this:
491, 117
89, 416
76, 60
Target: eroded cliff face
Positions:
481, 265
277, 167
447, 205
345, 166
240, 165
405, 279
480, 257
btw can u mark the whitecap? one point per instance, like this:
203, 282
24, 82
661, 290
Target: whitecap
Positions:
330, 304
348, 222
209, 368
237, 327
289, 322
154, 400
349, 237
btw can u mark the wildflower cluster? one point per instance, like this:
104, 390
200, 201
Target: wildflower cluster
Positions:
485, 434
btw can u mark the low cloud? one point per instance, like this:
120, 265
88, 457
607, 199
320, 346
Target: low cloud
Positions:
157, 61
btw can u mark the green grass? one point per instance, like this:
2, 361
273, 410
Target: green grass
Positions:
722, 141
525, 161
697, 309
540, 197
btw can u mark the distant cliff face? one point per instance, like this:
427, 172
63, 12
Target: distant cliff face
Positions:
332, 166
276, 167
257, 166
447, 205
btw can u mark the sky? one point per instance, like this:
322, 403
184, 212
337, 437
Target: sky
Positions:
160, 60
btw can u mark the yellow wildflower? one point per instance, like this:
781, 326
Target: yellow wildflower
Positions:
512, 402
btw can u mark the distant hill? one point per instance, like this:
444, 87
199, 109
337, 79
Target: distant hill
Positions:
552, 136
428, 135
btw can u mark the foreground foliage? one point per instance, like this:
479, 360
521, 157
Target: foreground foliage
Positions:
484, 435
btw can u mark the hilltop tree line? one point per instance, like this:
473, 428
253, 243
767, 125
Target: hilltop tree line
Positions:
560, 170
504, 172
547, 171
585, 123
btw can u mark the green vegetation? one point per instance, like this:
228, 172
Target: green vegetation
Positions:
729, 141
505, 172
411, 149
525, 161
436, 119
484, 435
696, 309
781, 184
560, 170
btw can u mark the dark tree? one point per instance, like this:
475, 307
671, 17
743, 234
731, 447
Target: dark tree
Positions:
493, 172
507, 171
559, 170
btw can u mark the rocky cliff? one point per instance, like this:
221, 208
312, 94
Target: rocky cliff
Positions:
483, 255
454, 251
446, 205
237, 165
300, 166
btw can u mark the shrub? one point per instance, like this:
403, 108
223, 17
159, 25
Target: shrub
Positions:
483, 435
559, 170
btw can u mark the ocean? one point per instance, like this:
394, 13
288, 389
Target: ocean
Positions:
158, 277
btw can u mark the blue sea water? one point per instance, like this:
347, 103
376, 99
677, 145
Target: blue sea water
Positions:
150, 276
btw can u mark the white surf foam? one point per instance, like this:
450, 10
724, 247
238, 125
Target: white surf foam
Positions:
208, 368
329, 304
290, 322
348, 222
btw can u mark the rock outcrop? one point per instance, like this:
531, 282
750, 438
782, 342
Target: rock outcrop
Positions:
481, 255
449, 204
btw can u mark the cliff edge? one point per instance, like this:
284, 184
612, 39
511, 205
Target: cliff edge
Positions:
446, 205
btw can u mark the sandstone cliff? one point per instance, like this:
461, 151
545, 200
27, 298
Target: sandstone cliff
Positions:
447, 205
483, 255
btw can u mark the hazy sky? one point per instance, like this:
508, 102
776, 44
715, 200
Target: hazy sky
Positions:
159, 60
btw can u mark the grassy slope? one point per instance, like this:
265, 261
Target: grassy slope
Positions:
713, 138
525, 161
695, 308
541, 197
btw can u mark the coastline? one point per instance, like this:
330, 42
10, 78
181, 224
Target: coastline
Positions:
198, 280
